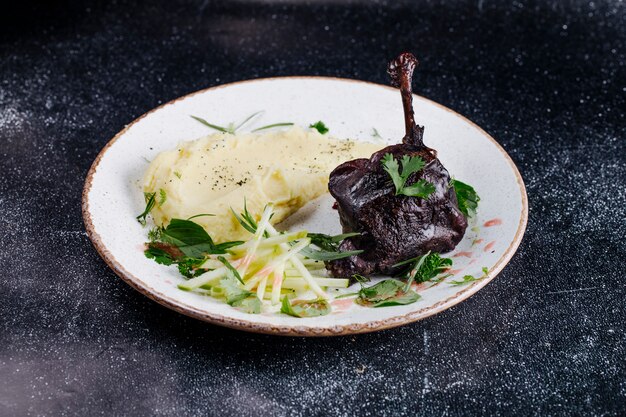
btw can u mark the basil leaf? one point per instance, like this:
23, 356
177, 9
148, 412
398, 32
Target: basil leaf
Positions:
189, 237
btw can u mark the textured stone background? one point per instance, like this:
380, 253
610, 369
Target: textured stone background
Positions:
547, 337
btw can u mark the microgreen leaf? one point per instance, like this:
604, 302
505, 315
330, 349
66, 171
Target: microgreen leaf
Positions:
320, 127
375, 134
154, 234
431, 265
243, 222
350, 294
212, 126
223, 247
466, 196
245, 219
238, 297
329, 247
189, 267
162, 197
200, 215
360, 278
234, 129
159, 255
273, 125
165, 254
150, 202
467, 279
305, 308
327, 242
321, 255
250, 304
389, 292
231, 268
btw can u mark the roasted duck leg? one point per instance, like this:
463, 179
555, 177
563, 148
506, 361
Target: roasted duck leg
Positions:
394, 227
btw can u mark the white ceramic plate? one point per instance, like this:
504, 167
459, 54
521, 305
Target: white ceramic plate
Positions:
112, 196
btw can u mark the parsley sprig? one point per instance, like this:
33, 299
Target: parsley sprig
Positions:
410, 165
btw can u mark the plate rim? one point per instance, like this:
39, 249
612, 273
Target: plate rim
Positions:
275, 329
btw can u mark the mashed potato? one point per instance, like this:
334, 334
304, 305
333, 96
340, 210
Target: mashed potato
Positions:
218, 172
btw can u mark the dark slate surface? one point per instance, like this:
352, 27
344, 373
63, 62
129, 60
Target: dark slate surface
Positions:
546, 338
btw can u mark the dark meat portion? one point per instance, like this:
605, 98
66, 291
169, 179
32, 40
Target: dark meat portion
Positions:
394, 227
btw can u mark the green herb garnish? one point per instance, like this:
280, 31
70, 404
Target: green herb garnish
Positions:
327, 242
246, 120
238, 297
320, 127
328, 247
467, 279
211, 125
154, 234
159, 255
200, 215
231, 268
167, 254
273, 125
305, 308
410, 165
150, 202
178, 174
466, 196
231, 128
245, 219
162, 197
190, 268
321, 255
425, 268
189, 237
389, 292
